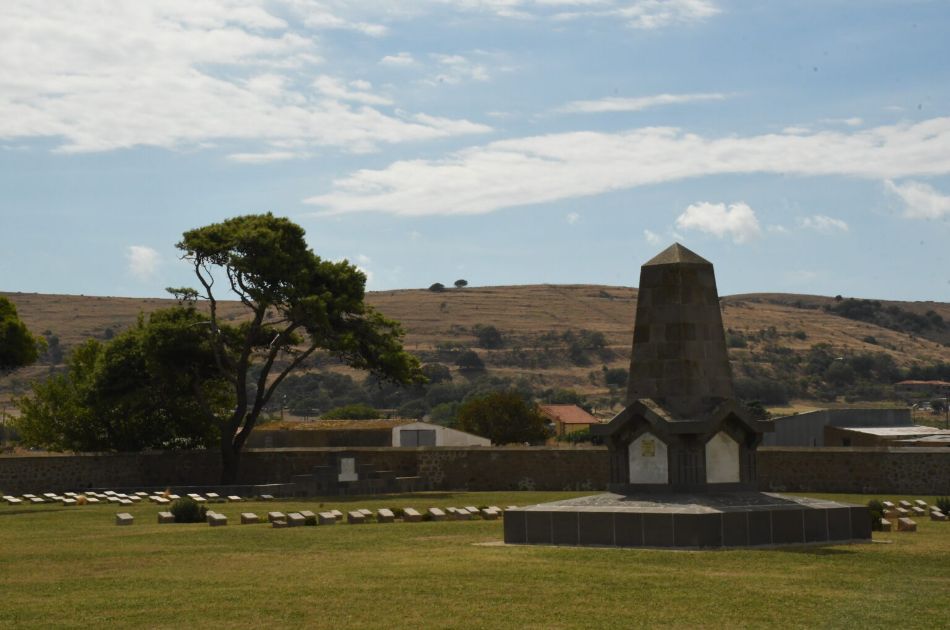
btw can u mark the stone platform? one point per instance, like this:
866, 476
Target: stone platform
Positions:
684, 521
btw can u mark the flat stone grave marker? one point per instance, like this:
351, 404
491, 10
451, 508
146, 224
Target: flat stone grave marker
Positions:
214, 497
891, 513
279, 524
250, 518
276, 516
51, 495
472, 509
902, 512
920, 503
266, 497
904, 504
109, 492
28, 496
174, 497
919, 511
366, 513
296, 519
69, 501
72, 495
309, 518
906, 525
411, 515
355, 518
885, 525
937, 515
134, 498
7, 497
92, 500
436, 514
165, 517
14, 501
326, 518
337, 513
126, 501
162, 501
141, 494
489, 514
124, 518
114, 499
217, 520
385, 515
37, 500
887, 504
235, 498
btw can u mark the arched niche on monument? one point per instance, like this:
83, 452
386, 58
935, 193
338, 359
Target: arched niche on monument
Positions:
648, 460
722, 459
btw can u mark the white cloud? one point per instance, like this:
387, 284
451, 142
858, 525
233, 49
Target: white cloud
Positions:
616, 104
737, 221
336, 89
572, 218
777, 229
639, 14
823, 224
539, 169
106, 74
652, 237
399, 59
848, 122
265, 157
454, 69
921, 201
363, 259
143, 261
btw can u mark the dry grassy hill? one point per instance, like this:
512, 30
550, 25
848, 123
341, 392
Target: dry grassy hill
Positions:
532, 320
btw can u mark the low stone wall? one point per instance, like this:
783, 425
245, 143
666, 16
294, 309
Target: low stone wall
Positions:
874, 470
871, 470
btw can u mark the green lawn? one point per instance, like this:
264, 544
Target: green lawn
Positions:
72, 567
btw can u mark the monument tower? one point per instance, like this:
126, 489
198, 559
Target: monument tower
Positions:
682, 428
682, 451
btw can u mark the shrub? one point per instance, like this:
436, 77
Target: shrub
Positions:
357, 411
187, 510
437, 287
876, 510
943, 504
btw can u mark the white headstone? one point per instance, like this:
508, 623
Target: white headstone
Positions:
648, 460
347, 470
722, 459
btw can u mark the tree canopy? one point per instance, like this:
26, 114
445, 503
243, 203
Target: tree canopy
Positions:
18, 347
296, 303
129, 393
504, 417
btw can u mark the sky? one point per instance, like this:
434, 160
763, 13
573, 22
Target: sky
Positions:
802, 147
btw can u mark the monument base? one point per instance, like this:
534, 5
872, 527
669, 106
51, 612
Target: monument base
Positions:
687, 521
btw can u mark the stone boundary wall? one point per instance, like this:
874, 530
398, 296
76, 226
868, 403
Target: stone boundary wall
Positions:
906, 470
874, 470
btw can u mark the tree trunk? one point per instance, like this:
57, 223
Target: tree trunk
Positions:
230, 462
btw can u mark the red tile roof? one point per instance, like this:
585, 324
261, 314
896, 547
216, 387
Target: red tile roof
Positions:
568, 414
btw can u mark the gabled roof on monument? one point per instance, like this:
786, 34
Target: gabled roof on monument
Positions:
656, 414
676, 254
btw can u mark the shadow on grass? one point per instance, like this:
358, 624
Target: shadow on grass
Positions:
34, 511
356, 498
816, 550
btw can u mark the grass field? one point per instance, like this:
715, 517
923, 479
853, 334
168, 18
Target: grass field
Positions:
72, 567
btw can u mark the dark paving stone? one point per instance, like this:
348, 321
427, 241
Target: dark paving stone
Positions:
538, 527
787, 527
658, 530
816, 525
628, 527
697, 530
564, 528
860, 523
839, 523
597, 528
760, 528
515, 527
735, 529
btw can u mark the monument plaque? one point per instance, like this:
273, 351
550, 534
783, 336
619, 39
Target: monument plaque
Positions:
682, 451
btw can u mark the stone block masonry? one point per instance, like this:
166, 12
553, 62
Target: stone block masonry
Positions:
871, 470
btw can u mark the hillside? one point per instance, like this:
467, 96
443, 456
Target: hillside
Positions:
560, 336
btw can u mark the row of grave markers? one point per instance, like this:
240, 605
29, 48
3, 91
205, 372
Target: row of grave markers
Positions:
110, 496
332, 517
903, 510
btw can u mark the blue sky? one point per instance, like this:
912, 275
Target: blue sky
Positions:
802, 147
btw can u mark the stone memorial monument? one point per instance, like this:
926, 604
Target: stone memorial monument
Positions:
682, 452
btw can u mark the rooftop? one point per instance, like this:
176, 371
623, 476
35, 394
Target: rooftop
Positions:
568, 414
